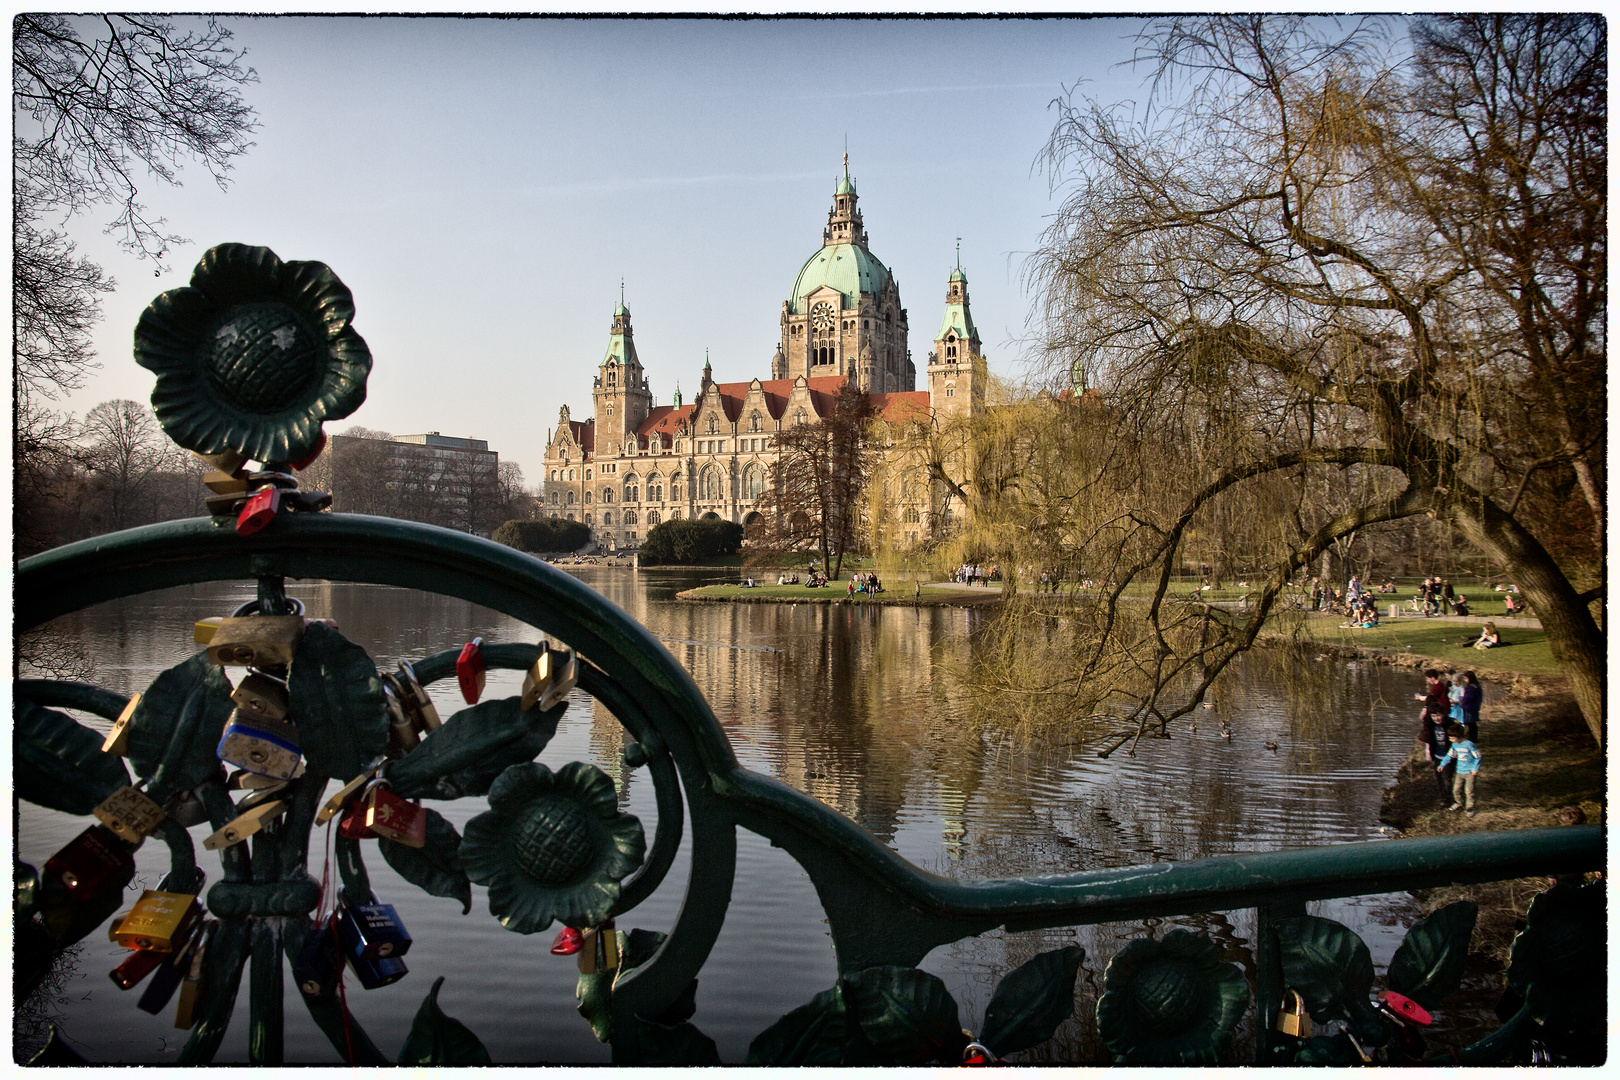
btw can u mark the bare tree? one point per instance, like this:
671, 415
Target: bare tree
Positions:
818, 482
124, 448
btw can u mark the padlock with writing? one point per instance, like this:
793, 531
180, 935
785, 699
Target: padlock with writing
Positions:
130, 814
394, 818
402, 737
261, 696
599, 949
245, 825
417, 700
470, 671
372, 931
319, 964
267, 747
259, 511
96, 860
1293, 1018
185, 1013
262, 641
140, 964
158, 921
117, 740
380, 971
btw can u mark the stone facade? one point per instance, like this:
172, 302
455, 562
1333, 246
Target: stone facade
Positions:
634, 464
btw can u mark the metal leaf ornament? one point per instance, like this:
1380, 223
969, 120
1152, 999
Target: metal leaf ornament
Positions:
1429, 964
1171, 1002
552, 846
254, 355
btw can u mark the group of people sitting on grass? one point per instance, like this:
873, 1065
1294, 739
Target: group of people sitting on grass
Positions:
864, 583
787, 579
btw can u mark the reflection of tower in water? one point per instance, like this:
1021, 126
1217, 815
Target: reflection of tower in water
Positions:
608, 740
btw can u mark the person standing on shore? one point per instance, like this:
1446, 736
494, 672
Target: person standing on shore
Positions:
1473, 694
1436, 742
1466, 755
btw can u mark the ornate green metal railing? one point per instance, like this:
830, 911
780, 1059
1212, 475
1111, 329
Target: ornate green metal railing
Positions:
554, 847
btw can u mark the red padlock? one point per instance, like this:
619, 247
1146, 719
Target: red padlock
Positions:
320, 444
258, 512
353, 825
568, 942
1407, 1009
470, 670
976, 1053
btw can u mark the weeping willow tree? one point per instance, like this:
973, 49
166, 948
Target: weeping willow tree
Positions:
1328, 277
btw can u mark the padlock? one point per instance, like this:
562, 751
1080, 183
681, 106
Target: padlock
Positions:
537, 678
261, 696
186, 809
203, 630
245, 825
353, 824
158, 921
267, 747
565, 679
306, 462
130, 814
319, 964
402, 737
185, 1014
567, 942
141, 963
394, 818
247, 781
259, 511
224, 506
306, 502
378, 972
96, 860
1405, 1009
470, 670
117, 740
372, 931
599, 949
224, 483
261, 641
341, 799
1293, 1018
226, 461
160, 991
272, 478
976, 1053
417, 700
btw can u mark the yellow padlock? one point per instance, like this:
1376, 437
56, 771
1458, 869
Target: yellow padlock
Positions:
158, 921
117, 740
130, 814
1293, 1018
244, 826
256, 640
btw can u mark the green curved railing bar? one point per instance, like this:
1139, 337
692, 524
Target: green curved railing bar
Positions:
882, 910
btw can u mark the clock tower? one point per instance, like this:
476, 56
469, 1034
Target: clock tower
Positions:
844, 317
620, 394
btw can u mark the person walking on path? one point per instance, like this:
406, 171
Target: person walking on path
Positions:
1466, 755
1448, 597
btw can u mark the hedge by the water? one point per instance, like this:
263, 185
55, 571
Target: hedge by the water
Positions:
543, 534
689, 542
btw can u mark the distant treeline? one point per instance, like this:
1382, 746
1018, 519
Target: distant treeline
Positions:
686, 543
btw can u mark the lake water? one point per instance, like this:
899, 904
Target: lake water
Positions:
853, 705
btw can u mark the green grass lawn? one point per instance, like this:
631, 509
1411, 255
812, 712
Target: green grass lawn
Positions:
901, 593
1524, 650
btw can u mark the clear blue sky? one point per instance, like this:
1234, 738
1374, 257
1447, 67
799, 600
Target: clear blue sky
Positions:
483, 185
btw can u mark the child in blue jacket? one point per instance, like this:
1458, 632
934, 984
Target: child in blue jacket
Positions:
1466, 755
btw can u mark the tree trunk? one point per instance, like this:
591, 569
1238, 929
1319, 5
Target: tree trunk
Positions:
1572, 633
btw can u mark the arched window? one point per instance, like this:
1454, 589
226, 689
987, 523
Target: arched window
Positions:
800, 416
607, 518
553, 498
629, 517
587, 475
587, 497
911, 515
713, 486
652, 517
654, 444
613, 374
675, 488
587, 519
610, 408
950, 389
674, 515
753, 482
570, 503
570, 474
607, 495
632, 491
655, 488
570, 515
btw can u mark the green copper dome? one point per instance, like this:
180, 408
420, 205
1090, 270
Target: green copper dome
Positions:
850, 269
846, 186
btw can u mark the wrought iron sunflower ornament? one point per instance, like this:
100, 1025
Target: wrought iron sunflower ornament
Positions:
254, 355
552, 846
1171, 1002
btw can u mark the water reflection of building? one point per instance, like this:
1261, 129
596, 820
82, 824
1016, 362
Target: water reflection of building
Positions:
634, 464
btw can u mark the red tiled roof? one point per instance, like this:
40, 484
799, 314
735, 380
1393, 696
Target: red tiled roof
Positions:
900, 407
584, 434
823, 390
664, 420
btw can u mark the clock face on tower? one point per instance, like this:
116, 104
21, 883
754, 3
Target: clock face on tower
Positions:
821, 316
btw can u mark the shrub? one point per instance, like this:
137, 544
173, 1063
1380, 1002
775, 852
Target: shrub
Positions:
543, 534
690, 542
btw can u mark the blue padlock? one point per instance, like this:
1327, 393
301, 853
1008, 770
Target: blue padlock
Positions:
372, 932
319, 965
263, 746
379, 972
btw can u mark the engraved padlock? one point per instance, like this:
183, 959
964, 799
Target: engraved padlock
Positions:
402, 737
267, 747
319, 964
372, 931
1293, 1018
394, 818
130, 814
117, 740
245, 825
97, 859
261, 696
380, 971
470, 670
417, 700
261, 641
158, 921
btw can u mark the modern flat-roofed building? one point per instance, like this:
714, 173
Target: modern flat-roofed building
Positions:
432, 478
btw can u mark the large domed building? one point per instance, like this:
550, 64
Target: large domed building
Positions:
634, 464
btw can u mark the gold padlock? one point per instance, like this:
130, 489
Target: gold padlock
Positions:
185, 1014
416, 699
158, 921
249, 781
538, 677
256, 640
245, 825
337, 802
1293, 1018
402, 737
130, 814
117, 740
549, 680
260, 695
224, 483
599, 949
202, 631
226, 461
